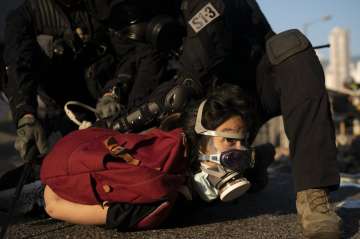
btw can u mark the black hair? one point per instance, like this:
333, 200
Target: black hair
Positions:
222, 103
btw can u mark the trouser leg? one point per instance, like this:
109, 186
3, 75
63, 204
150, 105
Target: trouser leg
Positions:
295, 88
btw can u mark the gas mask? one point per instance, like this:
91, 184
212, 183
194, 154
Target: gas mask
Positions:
222, 173
227, 176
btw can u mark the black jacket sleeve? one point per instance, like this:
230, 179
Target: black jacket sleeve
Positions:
123, 216
22, 56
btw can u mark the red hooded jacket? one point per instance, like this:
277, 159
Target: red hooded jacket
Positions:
96, 165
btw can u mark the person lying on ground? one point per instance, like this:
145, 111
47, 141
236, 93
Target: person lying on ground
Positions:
131, 181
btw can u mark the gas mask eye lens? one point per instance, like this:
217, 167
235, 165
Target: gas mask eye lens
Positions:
229, 161
236, 160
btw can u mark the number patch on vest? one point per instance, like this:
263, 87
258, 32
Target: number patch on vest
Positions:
204, 17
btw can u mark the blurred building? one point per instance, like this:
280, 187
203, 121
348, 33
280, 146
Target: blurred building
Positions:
338, 70
274, 132
355, 72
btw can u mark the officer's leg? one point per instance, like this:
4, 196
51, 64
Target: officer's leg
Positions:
298, 81
293, 68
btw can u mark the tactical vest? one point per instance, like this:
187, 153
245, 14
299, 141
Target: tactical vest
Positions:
221, 33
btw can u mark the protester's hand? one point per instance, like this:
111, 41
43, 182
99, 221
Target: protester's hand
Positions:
30, 131
108, 106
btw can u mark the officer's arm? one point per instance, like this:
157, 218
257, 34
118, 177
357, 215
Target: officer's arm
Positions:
170, 97
21, 56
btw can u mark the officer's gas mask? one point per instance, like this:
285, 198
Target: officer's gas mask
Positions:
224, 160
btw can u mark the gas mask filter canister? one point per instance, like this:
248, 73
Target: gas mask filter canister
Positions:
229, 183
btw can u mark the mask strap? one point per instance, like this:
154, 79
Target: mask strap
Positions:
200, 129
212, 157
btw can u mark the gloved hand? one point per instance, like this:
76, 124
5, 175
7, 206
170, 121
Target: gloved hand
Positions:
258, 176
30, 131
108, 106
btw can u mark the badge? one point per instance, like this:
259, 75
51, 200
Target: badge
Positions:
205, 16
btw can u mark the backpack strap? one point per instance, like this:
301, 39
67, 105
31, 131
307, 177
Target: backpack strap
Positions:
117, 151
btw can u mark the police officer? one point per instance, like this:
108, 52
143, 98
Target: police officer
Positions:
233, 41
49, 44
142, 33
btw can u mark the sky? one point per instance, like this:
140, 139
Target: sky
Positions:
286, 14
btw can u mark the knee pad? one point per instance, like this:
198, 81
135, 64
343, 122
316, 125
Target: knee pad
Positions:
179, 96
176, 99
286, 44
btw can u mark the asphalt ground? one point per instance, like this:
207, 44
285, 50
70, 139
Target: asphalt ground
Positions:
268, 214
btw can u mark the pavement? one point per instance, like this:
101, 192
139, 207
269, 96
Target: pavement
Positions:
267, 214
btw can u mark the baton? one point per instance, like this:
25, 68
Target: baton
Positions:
321, 46
29, 159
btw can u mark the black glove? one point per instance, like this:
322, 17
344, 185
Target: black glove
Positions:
108, 106
258, 176
30, 131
